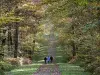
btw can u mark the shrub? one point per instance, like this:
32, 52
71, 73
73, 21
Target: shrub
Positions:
86, 60
36, 57
5, 66
13, 61
89, 59
27, 61
97, 71
92, 66
59, 59
66, 57
2, 72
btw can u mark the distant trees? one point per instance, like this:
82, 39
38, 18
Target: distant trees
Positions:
19, 24
19, 14
77, 25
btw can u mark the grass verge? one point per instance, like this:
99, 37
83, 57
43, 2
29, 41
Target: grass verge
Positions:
24, 70
71, 69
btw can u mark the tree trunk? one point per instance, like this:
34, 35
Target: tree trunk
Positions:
73, 43
74, 49
16, 41
3, 41
9, 37
98, 14
34, 45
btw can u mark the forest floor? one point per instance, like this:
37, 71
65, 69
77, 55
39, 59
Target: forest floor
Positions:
49, 69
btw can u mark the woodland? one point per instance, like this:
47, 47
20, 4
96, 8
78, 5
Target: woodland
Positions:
69, 30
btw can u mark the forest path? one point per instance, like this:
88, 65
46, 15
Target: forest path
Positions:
48, 69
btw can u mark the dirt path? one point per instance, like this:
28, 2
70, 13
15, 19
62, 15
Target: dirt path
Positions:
48, 69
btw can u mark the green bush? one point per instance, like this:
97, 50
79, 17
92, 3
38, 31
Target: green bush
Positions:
36, 57
86, 60
59, 59
97, 71
82, 64
5, 66
1, 72
66, 58
92, 66
89, 59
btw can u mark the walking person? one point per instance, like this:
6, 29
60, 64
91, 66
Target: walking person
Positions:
51, 58
45, 59
48, 59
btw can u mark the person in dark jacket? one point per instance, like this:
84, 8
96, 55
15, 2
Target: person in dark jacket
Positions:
45, 59
51, 58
